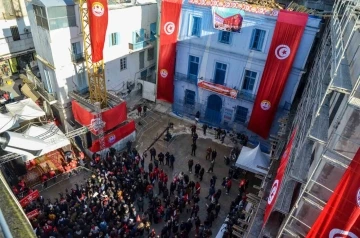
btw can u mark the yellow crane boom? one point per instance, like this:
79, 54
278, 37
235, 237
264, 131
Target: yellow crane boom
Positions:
95, 71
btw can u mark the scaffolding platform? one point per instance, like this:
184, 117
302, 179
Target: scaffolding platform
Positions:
301, 165
341, 81
319, 130
283, 201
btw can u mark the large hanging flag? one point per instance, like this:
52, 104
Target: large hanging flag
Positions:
279, 177
341, 215
285, 42
169, 26
98, 21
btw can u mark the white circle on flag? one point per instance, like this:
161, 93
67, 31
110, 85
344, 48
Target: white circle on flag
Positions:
273, 191
169, 28
97, 9
334, 233
164, 73
282, 52
112, 139
358, 198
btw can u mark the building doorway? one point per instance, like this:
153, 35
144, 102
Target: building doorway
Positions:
213, 110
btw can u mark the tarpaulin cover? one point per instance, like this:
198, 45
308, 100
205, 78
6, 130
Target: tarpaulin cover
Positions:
114, 136
341, 215
29, 198
25, 109
98, 21
278, 179
169, 26
285, 42
112, 117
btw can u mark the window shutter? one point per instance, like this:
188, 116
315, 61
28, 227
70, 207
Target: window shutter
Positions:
117, 38
261, 40
134, 37
252, 38
142, 35
110, 41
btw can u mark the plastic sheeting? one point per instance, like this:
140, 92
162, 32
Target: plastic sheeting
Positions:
7, 122
253, 160
25, 109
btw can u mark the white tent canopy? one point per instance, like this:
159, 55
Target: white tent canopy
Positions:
7, 122
25, 109
51, 135
253, 160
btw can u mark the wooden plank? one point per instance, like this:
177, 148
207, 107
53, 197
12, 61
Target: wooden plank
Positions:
237, 234
238, 228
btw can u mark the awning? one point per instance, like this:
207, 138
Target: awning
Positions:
253, 160
7, 122
30, 93
25, 109
51, 135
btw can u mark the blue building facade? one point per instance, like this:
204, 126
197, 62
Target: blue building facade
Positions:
231, 59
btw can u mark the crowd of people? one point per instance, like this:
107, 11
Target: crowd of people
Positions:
124, 199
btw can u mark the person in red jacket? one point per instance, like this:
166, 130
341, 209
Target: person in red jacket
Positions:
197, 188
228, 186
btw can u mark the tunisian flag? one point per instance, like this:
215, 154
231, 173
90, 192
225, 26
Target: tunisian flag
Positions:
341, 215
278, 179
170, 15
287, 36
98, 21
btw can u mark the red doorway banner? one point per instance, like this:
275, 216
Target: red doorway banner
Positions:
33, 214
29, 198
98, 21
285, 42
341, 215
278, 179
169, 26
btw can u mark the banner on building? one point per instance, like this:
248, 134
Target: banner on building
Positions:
169, 26
217, 88
341, 215
33, 214
285, 42
114, 136
29, 198
111, 117
98, 21
279, 177
227, 19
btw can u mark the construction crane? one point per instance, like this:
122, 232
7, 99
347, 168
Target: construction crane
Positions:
95, 73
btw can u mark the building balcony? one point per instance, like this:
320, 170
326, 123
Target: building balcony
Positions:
78, 58
185, 78
243, 95
138, 46
38, 86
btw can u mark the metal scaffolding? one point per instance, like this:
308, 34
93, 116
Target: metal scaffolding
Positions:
330, 73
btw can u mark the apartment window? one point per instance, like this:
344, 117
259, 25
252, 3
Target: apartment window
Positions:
189, 97
249, 80
139, 36
47, 82
336, 107
61, 17
220, 72
153, 31
41, 18
193, 68
257, 39
150, 53
143, 74
196, 26
141, 59
114, 39
123, 64
81, 79
241, 114
76, 49
15, 33
224, 37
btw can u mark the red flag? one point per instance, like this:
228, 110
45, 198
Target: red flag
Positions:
98, 21
287, 36
170, 15
341, 215
278, 180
